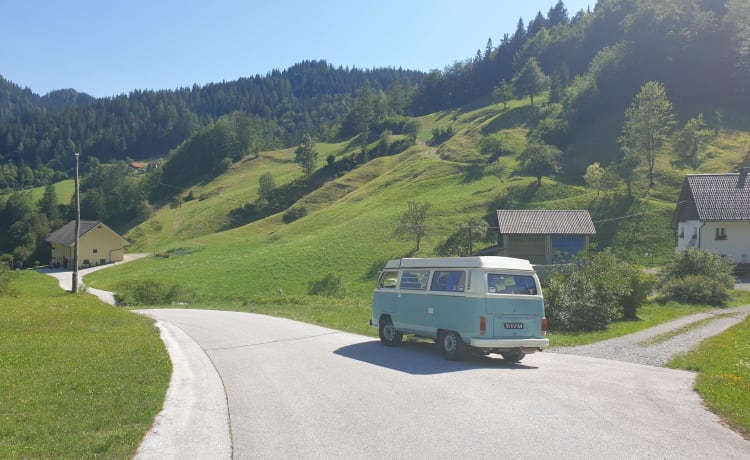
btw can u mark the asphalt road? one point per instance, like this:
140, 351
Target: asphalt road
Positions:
294, 390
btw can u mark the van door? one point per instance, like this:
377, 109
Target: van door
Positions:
385, 296
411, 313
515, 305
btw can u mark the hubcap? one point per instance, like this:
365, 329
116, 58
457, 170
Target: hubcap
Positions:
449, 343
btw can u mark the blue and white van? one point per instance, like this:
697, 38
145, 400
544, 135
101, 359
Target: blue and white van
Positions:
466, 304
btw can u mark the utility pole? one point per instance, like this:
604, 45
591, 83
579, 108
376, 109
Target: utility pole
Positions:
78, 231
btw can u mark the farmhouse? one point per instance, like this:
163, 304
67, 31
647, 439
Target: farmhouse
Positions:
713, 213
543, 237
97, 245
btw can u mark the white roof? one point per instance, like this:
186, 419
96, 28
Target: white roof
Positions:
504, 263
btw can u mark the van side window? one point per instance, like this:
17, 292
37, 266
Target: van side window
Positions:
388, 279
499, 283
448, 281
414, 279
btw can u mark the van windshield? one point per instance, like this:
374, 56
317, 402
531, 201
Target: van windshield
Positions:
501, 283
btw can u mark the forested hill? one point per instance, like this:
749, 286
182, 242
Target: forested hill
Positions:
594, 63
42, 132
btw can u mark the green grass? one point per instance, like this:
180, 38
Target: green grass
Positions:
78, 378
723, 366
650, 315
661, 338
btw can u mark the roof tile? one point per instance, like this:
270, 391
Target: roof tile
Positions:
548, 222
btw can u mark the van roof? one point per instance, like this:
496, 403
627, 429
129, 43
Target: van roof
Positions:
505, 263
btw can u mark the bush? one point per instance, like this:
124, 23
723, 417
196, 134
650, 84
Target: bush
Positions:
696, 289
6, 277
329, 286
294, 214
150, 292
573, 304
589, 294
698, 276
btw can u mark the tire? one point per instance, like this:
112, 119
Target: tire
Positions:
388, 333
514, 356
452, 346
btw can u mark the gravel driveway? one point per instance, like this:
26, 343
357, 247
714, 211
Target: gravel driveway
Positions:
642, 348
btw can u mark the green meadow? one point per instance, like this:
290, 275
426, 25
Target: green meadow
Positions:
78, 378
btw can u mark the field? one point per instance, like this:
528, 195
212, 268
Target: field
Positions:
78, 378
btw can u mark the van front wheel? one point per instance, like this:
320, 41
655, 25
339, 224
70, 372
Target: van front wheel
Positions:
453, 347
388, 333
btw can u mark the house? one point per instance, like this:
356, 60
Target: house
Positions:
543, 237
97, 245
713, 213
143, 166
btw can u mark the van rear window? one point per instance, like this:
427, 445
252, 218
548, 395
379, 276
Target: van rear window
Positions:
499, 283
414, 279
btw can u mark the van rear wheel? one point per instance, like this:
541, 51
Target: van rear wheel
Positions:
388, 333
453, 347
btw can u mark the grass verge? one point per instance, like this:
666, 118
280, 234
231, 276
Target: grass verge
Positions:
649, 315
78, 378
723, 366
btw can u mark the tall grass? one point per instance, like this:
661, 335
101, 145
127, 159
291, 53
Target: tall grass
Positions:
78, 378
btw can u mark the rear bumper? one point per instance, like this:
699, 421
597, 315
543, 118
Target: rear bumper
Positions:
509, 343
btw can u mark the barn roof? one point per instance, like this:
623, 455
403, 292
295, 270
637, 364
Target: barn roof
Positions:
545, 222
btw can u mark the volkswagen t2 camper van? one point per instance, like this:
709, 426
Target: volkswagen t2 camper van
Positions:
466, 304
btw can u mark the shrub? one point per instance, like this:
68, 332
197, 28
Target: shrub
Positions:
572, 302
696, 289
698, 276
294, 214
6, 277
589, 294
329, 286
150, 292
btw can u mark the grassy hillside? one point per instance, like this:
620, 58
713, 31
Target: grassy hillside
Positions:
349, 229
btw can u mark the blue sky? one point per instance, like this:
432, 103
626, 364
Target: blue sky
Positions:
110, 48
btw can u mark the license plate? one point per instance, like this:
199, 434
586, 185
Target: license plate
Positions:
513, 325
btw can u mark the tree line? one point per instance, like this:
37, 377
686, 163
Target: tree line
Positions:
36, 144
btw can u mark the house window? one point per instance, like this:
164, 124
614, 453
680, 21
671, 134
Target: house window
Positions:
95, 251
721, 233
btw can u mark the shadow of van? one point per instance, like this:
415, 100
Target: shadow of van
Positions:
421, 358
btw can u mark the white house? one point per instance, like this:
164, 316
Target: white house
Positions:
713, 213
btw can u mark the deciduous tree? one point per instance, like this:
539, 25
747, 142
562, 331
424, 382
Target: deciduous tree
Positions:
503, 93
530, 80
594, 176
691, 139
413, 223
306, 155
540, 159
648, 121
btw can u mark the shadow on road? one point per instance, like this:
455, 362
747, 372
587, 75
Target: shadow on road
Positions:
421, 358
